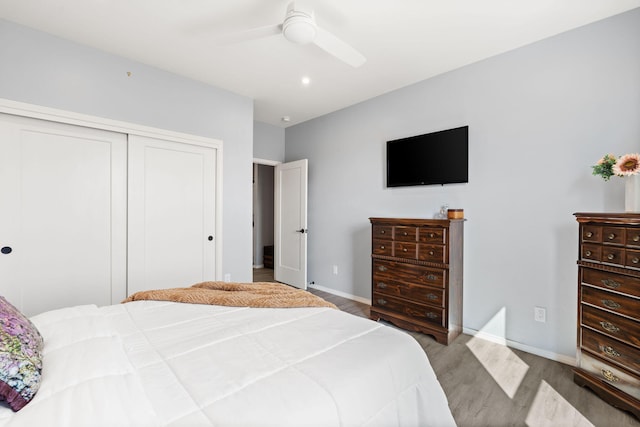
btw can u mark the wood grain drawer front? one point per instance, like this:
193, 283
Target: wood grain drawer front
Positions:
613, 255
613, 235
432, 253
423, 294
632, 258
421, 312
382, 232
632, 237
405, 250
612, 281
616, 377
382, 247
592, 233
618, 327
610, 301
405, 234
408, 273
430, 235
591, 252
611, 350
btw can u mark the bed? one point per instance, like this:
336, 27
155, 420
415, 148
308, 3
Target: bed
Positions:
164, 363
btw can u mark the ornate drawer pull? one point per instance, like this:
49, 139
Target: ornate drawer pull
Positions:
587, 253
611, 304
635, 260
431, 315
382, 285
432, 277
636, 238
610, 256
432, 296
609, 351
608, 375
431, 235
382, 247
382, 232
611, 284
382, 268
382, 301
404, 234
404, 249
589, 234
610, 327
431, 252
611, 236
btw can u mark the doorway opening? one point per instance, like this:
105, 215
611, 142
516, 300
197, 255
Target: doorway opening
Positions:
263, 222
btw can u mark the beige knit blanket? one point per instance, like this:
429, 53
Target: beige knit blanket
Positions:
258, 294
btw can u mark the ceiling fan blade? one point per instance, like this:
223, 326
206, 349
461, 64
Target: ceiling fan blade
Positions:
251, 34
336, 47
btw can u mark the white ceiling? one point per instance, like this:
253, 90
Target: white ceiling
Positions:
404, 41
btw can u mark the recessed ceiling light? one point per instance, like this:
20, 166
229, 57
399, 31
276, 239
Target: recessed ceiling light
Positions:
306, 80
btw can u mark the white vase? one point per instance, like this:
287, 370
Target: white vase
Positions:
632, 193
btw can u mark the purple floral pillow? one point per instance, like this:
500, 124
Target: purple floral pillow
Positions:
20, 356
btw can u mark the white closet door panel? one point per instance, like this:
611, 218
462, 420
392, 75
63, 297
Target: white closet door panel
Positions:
65, 199
171, 214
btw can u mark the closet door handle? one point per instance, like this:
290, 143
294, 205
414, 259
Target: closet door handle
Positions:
6, 250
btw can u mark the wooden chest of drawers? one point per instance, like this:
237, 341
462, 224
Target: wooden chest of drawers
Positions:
608, 350
417, 274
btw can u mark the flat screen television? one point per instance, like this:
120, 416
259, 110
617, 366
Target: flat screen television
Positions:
433, 158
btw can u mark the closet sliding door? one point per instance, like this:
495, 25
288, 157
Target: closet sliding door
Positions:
63, 214
172, 213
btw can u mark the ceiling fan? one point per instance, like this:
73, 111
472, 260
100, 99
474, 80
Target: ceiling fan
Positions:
299, 26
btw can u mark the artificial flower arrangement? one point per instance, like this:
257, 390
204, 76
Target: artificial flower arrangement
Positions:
626, 165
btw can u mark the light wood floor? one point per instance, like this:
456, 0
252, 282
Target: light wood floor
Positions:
489, 385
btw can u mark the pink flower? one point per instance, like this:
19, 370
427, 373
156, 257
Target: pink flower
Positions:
629, 164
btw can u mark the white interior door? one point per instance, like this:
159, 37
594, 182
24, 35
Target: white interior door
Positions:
172, 196
290, 246
63, 215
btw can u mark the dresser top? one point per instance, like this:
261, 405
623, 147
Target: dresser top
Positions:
415, 221
609, 217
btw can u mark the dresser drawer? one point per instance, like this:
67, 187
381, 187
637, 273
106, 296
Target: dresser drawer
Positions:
382, 232
436, 236
591, 252
632, 258
612, 255
592, 233
405, 250
613, 235
618, 327
432, 253
611, 350
405, 234
408, 273
611, 375
382, 247
632, 237
610, 301
422, 294
424, 313
611, 281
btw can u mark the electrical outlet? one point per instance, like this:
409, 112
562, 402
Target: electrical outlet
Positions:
227, 277
335, 270
540, 314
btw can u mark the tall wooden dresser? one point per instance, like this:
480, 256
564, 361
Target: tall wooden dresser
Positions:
417, 274
608, 354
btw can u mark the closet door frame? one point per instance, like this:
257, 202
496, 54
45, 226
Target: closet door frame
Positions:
61, 116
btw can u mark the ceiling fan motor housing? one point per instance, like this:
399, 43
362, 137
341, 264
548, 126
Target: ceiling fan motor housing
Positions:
299, 27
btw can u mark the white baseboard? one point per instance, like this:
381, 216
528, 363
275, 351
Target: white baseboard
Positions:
562, 358
341, 294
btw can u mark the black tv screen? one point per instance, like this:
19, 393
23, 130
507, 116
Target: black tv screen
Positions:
433, 158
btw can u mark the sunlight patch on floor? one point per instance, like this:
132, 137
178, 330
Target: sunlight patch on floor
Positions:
550, 409
506, 368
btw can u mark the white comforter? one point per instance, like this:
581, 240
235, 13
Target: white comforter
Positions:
151, 363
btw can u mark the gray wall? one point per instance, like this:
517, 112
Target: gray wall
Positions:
539, 117
268, 142
40, 69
